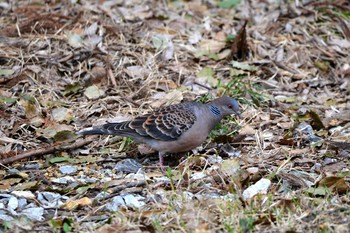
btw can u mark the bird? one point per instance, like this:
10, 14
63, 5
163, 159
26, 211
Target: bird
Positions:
174, 128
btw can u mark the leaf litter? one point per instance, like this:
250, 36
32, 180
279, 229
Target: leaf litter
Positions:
69, 65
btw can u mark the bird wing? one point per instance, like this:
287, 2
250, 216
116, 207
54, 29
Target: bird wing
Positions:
166, 124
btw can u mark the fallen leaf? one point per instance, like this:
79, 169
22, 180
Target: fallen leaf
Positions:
335, 184
239, 48
74, 204
206, 75
93, 92
6, 72
226, 4
62, 114
64, 135
230, 167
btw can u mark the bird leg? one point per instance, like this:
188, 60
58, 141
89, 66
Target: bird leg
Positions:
161, 161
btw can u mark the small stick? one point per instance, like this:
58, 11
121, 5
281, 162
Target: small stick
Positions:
49, 149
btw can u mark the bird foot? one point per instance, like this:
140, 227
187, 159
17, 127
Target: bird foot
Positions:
162, 167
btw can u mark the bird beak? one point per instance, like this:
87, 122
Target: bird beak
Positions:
239, 115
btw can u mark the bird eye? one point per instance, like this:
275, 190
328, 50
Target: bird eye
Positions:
229, 106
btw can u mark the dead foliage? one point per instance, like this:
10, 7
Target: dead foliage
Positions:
66, 65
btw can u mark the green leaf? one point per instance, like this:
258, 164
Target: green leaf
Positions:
159, 42
55, 223
84, 189
237, 72
230, 167
29, 98
322, 65
169, 172
319, 191
6, 72
207, 74
230, 38
226, 4
71, 89
63, 135
93, 92
7, 100
60, 160
243, 66
61, 114
66, 227
202, 53
75, 40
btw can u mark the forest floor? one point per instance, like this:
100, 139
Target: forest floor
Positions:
67, 65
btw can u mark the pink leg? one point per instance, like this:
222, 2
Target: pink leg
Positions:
161, 162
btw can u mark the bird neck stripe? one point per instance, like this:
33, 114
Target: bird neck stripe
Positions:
215, 110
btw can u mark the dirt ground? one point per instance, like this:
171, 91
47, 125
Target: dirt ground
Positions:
67, 65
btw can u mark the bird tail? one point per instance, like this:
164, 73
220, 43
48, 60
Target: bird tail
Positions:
109, 128
91, 130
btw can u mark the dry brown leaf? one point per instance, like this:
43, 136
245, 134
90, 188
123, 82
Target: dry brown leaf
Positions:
74, 204
335, 184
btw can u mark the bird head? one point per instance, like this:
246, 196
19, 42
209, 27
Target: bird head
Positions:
227, 106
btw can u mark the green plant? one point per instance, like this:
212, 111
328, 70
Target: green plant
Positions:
246, 224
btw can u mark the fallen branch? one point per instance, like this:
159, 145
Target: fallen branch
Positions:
49, 149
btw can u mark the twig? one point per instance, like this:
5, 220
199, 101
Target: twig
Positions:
129, 185
116, 190
201, 85
50, 149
